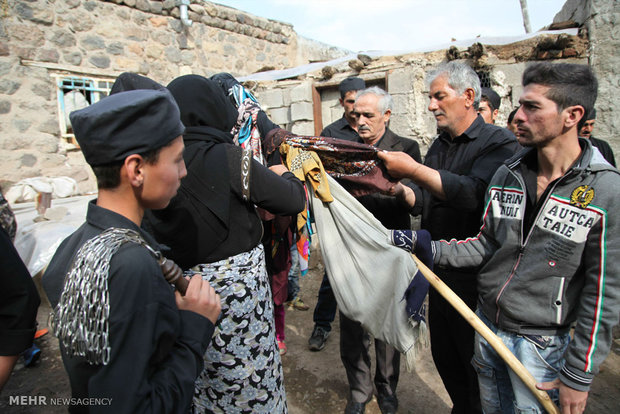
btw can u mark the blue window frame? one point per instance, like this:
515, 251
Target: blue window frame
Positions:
76, 92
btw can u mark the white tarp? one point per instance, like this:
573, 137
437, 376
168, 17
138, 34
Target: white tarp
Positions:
368, 275
27, 189
37, 241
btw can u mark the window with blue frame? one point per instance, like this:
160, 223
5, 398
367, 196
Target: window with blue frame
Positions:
77, 92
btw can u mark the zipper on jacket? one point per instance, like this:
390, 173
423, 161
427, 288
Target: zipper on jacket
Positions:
558, 302
523, 242
512, 273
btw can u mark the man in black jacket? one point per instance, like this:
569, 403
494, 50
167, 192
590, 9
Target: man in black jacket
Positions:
450, 194
373, 107
19, 299
603, 146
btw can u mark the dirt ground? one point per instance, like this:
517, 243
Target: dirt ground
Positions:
315, 381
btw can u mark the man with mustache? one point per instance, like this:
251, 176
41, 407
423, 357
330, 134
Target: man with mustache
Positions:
449, 194
373, 107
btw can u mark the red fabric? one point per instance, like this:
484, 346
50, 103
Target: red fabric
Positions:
279, 316
277, 241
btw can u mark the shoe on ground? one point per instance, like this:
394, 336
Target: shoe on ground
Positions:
388, 404
282, 347
355, 407
40, 333
318, 338
298, 304
31, 355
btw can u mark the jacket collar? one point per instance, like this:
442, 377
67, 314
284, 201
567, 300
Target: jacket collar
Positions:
588, 159
472, 132
103, 218
388, 140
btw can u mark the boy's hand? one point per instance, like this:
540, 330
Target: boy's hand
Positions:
200, 298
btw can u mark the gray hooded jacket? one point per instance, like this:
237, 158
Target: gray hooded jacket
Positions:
563, 271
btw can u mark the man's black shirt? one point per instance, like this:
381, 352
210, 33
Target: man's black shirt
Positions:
604, 149
466, 165
340, 129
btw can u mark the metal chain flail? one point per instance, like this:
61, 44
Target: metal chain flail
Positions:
81, 318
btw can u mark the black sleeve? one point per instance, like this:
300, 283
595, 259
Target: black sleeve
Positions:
467, 191
264, 124
19, 300
610, 157
274, 158
156, 349
606, 151
283, 195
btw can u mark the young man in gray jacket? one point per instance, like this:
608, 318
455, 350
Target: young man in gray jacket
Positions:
546, 250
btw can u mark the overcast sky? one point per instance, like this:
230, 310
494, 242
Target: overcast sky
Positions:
363, 25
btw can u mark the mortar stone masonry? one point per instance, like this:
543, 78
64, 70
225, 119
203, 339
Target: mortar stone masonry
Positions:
44, 43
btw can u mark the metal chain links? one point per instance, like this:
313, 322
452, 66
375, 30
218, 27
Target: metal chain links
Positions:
81, 318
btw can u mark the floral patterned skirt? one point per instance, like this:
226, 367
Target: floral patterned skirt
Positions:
243, 369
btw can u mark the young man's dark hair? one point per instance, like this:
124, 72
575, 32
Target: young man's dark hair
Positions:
351, 84
570, 84
490, 96
108, 176
511, 116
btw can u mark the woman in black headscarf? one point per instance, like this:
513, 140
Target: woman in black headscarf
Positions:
212, 227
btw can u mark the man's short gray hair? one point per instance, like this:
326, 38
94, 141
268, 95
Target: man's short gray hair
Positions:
385, 100
460, 78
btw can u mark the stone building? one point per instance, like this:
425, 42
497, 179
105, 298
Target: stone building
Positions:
51, 49
305, 104
585, 32
56, 55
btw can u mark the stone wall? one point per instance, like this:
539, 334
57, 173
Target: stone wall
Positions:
43, 39
604, 32
40, 39
601, 20
404, 77
289, 104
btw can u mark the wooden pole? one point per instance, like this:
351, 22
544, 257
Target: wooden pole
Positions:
493, 340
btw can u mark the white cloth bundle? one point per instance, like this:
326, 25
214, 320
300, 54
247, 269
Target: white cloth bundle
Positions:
27, 189
368, 275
